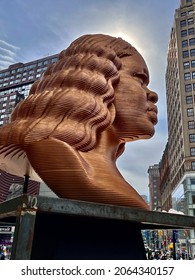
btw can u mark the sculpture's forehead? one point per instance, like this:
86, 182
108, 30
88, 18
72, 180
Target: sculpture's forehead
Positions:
136, 62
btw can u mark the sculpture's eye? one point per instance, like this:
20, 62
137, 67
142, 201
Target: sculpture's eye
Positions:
141, 77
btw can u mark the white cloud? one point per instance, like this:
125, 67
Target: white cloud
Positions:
9, 46
8, 53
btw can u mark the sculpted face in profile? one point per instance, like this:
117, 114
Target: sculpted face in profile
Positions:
78, 117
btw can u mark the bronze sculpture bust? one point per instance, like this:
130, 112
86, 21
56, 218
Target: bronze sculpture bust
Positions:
76, 120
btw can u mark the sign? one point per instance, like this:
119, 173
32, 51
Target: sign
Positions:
5, 229
15, 190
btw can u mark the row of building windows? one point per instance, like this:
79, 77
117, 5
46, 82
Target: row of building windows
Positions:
2, 116
185, 22
20, 89
189, 75
28, 67
189, 87
190, 42
189, 31
20, 80
31, 73
185, 13
5, 98
187, 53
10, 103
20, 75
189, 99
187, 64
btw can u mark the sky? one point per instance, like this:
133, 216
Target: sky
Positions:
33, 29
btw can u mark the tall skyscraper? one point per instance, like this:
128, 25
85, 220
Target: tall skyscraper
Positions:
15, 84
180, 91
178, 162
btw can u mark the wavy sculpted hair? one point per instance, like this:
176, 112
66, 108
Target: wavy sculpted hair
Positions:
74, 99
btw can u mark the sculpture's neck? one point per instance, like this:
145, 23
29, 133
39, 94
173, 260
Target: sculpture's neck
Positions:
102, 159
109, 146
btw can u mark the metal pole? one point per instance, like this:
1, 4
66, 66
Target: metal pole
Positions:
174, 247
25, 187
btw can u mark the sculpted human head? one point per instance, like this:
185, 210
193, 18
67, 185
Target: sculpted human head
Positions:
99, 81
76, 119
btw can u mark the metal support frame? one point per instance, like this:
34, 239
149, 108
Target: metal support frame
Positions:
23, 237
72, 220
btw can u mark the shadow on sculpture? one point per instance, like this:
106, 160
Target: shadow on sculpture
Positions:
78, 117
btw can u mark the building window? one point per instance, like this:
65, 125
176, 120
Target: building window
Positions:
193, 63
188, 88
186, 54
12, 97
186, 65
187, 76
189, 100
191, 125
192, 52
183, 14
192, 41
193, 165
31, 66
191, 31
192, 138
190, 21
192, 151
183, 33
54, 59
193, 75
183, 23
184, 43
20, 69
190, 112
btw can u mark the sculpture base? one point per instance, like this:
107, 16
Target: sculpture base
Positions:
60, 237
60, 229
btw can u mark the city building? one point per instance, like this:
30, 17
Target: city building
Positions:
154, 190
180, 92
164, 186
177, 167
15, 84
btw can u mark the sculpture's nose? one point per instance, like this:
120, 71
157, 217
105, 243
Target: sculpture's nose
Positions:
152, 96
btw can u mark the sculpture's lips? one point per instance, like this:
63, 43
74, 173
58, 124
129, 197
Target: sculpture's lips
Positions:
152, 112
